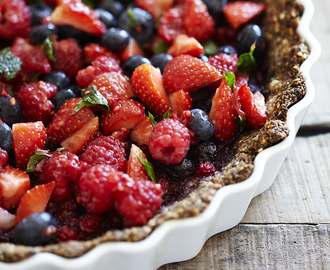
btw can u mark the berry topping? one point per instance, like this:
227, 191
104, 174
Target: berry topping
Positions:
57, 78
10, 110
6, 137
201, 124
115, 39
7, 220
132, 63
184, 44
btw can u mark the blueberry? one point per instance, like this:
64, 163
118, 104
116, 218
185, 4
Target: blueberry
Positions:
57, 78
215, 6
106, 17
254, 88
61, 97
250, 34
207, 151
6, 137
76, 89
35, 230
202, 124
203, 57
160, 60
10, 110
182, 170
40, 32
115, 39
38, 11
227, 49
202, 99
132, 63
139, 23
83, 38
114, 7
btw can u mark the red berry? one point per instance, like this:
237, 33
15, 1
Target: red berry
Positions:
135, 168
94, 50
184, 44
89, 224
224, 62
140, 134
180, 101
169, 141
3, 158
65, 233
204, 168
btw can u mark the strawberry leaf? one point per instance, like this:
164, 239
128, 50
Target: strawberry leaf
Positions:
48, 46
36, 158
152, 118
166, 115
246, 62
147, 166
230, 78
10, 65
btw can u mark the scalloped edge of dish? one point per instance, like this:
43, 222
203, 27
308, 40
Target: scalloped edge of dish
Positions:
177, 240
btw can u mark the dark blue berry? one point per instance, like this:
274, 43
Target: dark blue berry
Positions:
203, 57
139, 23
114, 7
254, 88
181, 171
202, 99
115, 39
10, 110
160, 60
38, 11
61, 97
83, 38
39, 33
6, 137
57, 78
227, 49
207, 151
250, 34
132, 63
201, 124
76, 89
215, 6
35, 230
106, 17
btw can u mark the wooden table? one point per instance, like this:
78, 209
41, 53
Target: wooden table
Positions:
287, 226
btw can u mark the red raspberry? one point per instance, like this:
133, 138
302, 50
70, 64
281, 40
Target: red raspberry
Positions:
67, 209
65, 233
89, 224
69, 57
106, 150
204, 168
3, 157
224, 62
169, 141
61, 168
15, 19
35, 101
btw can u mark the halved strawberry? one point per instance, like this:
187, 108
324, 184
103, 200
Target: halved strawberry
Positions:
223, 113
140, 134
135, 168
64, 122
94, 50
78, 15
188, 73
27, 137
155, 7
184, 44
133, 48
77, 141
124, 113
34, 200
7, 220
148, 86
241, 12
13, 184
180, 101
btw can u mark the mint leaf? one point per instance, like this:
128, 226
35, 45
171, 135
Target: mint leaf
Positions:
152, 118
230, 78
10, 65
38, 156
246, 62
210, 47
48, 46
89, 3
132, 20
166, 115
161, 47
241, 122
147, 166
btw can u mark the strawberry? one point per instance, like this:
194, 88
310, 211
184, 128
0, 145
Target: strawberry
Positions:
184, 44
77, 141
180, 101
148, 86
155, 7
34, 200
223, 113
135, 168
94, 50
7, 220
241, 12
188, 73
27, 137
78, 15
140, 134
14, 183
64, 122
133, 48
123, 114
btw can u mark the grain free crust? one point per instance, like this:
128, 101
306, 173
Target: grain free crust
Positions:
286, 87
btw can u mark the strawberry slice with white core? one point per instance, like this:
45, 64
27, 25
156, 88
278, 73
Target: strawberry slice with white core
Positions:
7, 220
135, 168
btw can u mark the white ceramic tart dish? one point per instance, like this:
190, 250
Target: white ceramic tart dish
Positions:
174, 235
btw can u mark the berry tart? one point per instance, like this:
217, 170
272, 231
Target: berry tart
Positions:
119, 116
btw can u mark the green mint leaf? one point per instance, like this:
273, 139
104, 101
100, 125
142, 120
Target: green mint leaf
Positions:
48, 46
230, 78
35, 77
246, 62
36, 158
152, 118
147, 166
161, 47
166, 115
241, 122
81, 104
210, 47
89, 3
132, 20
10, 65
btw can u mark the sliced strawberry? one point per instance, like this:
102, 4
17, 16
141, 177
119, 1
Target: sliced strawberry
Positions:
94, 50
133, 48
141, 133
7, 220
135, 168
78, 15
223, 113
241, 79
34, 200
27, 137
124, 113
188, 73
184, 44
148, 86
241, 12
155, 7
14, 183
180, 101
77, 141
64, 123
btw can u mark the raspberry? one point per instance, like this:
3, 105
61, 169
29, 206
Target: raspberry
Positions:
224, 62
204, 168
69, 57
3, 157
65, 233
89, 224
35, 60
61, 168
35, 101
106, 150
169, 141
